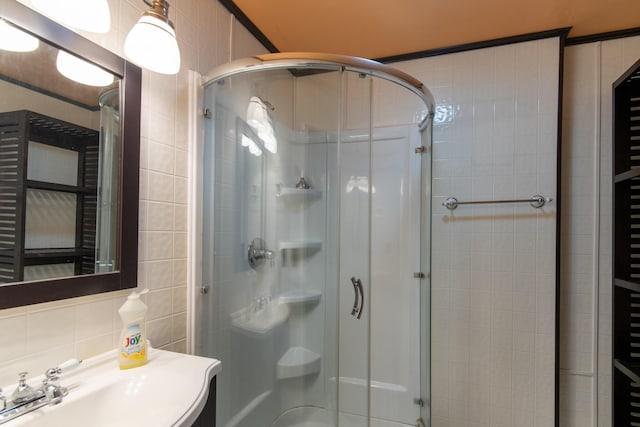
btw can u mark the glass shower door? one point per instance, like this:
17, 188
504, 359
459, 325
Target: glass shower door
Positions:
354, 285
355, 252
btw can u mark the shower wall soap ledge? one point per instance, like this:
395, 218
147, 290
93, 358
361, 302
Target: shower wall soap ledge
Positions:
290, 244
300, 296
293, 192
298, 362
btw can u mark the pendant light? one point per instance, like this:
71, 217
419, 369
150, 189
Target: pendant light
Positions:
15, 40
151, 43
88, 15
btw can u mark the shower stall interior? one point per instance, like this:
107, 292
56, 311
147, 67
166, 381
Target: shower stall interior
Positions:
315, 242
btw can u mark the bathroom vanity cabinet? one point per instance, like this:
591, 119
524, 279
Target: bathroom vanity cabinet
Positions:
626, 248
207, 417
48, 189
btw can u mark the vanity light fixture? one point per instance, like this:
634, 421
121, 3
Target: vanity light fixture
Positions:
88, 15
16, 40
82, 71
151, 43
258, 118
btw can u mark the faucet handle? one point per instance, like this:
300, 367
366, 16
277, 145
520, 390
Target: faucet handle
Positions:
74, 363
23, 391
52, 373
54, 391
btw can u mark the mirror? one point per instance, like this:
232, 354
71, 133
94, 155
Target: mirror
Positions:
69, 166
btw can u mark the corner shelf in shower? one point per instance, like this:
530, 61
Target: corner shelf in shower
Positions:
301, 296
292, 192
299, 245
298, 362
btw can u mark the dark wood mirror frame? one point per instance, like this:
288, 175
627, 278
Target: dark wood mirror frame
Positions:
24, 293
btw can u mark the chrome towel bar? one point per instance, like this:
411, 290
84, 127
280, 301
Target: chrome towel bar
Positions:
536, 201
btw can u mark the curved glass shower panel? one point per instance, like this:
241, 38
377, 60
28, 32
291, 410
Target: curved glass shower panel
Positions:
424, 399
273, 244
313, 240
108, 173
354, 284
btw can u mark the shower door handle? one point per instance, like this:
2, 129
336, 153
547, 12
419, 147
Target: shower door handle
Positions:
358, 302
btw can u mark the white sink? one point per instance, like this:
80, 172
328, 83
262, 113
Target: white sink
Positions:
170, 390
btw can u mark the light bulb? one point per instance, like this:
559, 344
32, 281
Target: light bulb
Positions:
152, 44
16, 40
81, 71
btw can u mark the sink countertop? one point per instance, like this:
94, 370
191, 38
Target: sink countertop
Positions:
170, 390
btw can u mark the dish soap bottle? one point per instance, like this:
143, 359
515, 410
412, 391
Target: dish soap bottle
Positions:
132, 351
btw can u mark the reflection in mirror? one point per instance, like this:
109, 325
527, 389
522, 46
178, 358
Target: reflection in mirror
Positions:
107, 214
67, 162
55, 166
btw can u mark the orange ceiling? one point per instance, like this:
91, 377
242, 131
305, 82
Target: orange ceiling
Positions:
380, 28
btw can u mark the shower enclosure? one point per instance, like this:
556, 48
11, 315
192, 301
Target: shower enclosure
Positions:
315, 197
107, 197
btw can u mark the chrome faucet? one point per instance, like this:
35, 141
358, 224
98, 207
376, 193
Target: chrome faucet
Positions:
51, 388
23, 391
25, 398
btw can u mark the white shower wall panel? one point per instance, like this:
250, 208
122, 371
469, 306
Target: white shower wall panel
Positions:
305, 220
395, 293
316, 102
493, 266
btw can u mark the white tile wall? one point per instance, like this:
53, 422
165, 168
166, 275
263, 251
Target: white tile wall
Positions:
39, 336
493, 266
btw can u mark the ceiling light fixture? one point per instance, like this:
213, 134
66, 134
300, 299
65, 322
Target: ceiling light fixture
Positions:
15, 40
151, 43
82, 71
88, 15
